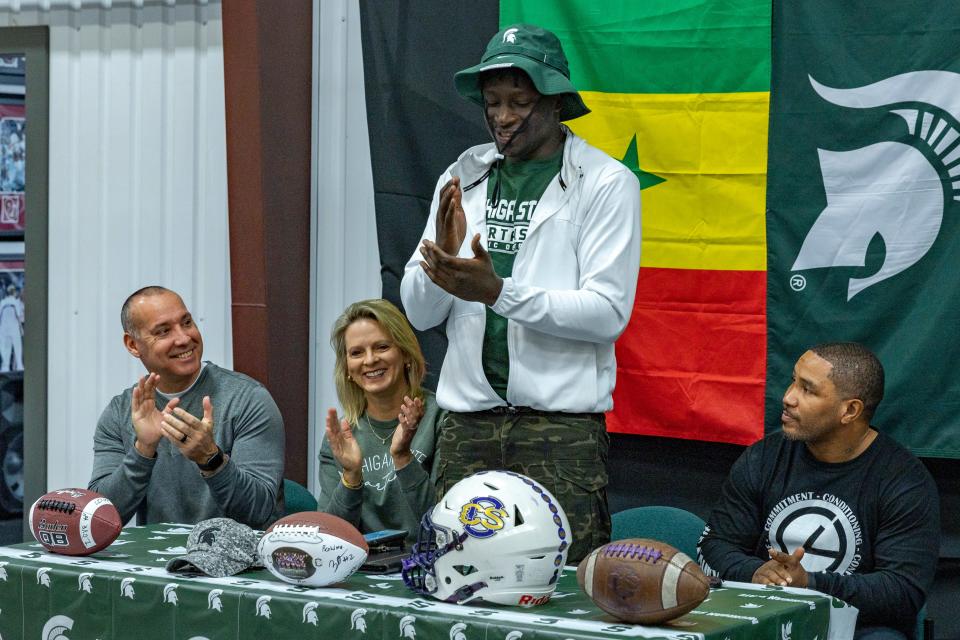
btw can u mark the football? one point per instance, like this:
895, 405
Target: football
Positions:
642, 581
74, 522
312, 548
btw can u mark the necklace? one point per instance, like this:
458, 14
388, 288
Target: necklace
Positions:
373, 430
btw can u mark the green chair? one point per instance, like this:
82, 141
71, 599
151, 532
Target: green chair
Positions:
676, 527
296, 498
924, 630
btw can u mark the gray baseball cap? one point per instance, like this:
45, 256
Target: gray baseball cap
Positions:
218, 547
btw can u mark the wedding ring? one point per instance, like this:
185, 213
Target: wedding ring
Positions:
184, 438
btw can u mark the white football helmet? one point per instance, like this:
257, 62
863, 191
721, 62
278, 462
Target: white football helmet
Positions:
496, 536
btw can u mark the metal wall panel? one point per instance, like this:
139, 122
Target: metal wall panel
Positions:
138, 194
345, 259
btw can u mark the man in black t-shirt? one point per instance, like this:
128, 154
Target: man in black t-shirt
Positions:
830, 503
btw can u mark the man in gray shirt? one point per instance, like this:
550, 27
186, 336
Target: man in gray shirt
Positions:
190, 440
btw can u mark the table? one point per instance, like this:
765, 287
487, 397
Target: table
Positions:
125, 593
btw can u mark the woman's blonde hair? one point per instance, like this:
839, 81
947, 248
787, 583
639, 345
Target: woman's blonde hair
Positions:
395, 325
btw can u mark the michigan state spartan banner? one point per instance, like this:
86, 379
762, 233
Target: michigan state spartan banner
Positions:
679, 92
864, 202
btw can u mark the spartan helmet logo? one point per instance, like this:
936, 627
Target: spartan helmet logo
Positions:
208, 535
3, 571
514, 635
126, 588
213, 600
84, 583
42, 577
510, 35
407, 630
785, 630
310, 613
357, 622
888, 188
456, 631
56, 628
170, 593
263, 606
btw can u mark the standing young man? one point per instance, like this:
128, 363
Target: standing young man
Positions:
530, 256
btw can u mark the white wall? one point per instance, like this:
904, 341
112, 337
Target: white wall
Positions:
345, 259
137, 193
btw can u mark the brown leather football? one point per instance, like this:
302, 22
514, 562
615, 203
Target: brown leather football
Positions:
643, 581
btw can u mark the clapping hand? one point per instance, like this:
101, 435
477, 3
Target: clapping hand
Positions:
345, 448
147, 420
191, 435
472, 279
411, 411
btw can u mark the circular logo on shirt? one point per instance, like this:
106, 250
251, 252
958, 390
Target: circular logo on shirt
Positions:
824, 526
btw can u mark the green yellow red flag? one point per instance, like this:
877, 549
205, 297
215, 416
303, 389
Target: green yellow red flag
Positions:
679, 91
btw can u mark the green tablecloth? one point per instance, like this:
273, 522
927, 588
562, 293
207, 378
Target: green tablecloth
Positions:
125, 593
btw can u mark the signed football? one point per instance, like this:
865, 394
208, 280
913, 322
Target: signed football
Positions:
74, 522
643, 581
312, 548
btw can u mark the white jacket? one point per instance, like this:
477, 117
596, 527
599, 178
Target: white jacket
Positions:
570, 296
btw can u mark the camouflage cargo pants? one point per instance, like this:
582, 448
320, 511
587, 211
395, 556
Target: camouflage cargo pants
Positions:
566, 452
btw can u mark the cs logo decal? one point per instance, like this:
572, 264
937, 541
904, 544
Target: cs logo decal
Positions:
483, 516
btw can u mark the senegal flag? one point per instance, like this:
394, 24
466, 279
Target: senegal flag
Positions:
679, 92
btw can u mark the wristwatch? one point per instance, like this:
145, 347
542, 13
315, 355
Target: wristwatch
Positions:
213, 462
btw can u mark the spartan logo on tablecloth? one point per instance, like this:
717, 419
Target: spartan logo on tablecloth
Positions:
457, 631
170, 593
213, 600
893, 189
483, 516
3, 571
357, 621
310, 613
263, 606
514, 635
126, 588
407, 628
42, 577
84, 582
56, 628
785, 630
169, 551
825, 526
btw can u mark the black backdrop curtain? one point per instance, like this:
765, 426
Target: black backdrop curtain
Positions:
418, 123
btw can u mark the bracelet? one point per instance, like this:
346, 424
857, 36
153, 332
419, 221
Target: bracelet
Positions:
343, 481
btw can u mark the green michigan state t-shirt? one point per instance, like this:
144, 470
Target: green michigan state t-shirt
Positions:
521, 186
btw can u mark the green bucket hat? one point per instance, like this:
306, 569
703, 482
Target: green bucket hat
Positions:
535, 51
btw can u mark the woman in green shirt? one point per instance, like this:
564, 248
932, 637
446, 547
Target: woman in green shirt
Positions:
377, 466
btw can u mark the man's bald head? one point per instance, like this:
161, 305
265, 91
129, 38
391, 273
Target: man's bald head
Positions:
126, 311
